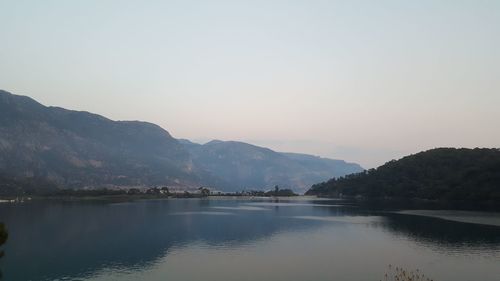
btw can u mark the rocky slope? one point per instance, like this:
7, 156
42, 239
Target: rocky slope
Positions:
247, 166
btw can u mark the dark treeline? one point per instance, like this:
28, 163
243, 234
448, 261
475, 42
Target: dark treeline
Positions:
437, 174
29, 188
3, 237
276, 192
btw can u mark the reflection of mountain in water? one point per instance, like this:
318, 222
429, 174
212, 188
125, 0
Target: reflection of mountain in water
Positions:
58, 240
55, 240
428, 231
441, 234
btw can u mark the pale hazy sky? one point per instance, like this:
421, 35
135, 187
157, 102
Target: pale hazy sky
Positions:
364, 81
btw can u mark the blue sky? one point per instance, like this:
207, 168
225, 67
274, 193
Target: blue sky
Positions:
364, 81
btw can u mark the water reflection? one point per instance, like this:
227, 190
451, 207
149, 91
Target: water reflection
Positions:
54, 240
443, 235
50, 241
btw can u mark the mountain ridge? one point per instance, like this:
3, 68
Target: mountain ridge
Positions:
251, 166
80, 149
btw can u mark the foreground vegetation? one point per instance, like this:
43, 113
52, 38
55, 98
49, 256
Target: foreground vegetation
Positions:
437, 174
3, 237
395, 273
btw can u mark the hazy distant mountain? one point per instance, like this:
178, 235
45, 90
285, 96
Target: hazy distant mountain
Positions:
79, 149
247, 166
51, 146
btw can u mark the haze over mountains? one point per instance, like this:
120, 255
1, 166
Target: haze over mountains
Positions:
247, 166
73, 149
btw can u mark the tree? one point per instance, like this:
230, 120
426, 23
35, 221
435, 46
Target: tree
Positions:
164, 190
3, 236
205, 192
436, 174
153, 191
134, 191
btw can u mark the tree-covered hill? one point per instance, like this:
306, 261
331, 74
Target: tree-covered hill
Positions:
437, 174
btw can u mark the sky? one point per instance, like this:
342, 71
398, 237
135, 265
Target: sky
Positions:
363, 81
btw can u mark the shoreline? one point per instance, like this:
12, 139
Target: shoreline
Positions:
127, 198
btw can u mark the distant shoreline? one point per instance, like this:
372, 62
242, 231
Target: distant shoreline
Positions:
129, 198
382, 204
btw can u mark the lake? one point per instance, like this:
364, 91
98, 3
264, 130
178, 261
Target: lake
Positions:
242, 239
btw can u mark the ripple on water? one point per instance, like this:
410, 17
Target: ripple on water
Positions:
242, 208
208, 213
345, 219
286, 204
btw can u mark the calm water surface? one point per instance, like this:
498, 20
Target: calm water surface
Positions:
201, 239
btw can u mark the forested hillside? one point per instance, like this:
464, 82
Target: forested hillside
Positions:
442, 173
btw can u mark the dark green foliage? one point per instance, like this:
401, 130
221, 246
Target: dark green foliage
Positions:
280, 192
153, 191
437, 174
87, 192
3, 237
134, 191
260, 193
205, 192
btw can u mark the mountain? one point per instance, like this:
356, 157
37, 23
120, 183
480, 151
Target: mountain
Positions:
246, 166
51, 147
324, 167
78, 149
438, 174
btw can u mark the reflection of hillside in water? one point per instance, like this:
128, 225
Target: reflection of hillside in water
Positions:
51, 241
431, 232
56, 240
441, 234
